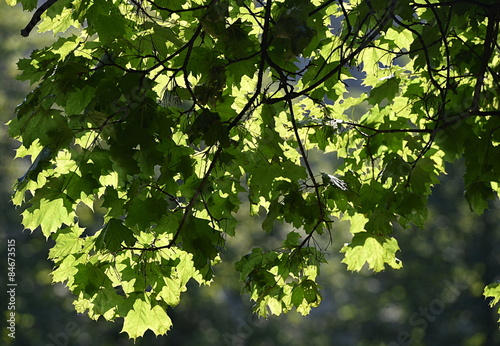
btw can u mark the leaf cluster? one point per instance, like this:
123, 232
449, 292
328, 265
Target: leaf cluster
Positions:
169, 114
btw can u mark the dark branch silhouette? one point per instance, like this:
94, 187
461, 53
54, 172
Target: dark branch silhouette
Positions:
36, 17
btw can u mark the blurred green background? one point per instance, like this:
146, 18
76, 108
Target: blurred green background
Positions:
436, 299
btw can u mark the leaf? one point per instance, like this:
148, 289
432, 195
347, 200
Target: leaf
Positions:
91, 279
44, 125
144, 316
67, 46
385, 91
59, 22
107, 21
493, 291
66, 270
77, 101
68, 241
49, 213
374, 250
292, 239
103, 305
164, 34
297, 295
202, 241
477, 195
42, 159
114, 235
257, 258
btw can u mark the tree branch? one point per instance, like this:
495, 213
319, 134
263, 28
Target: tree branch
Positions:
36, 17
489, 43
388, 15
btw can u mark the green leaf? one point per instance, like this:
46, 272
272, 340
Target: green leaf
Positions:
493, 291
57, 22
114, 235
107, 21
68, 241
42, 160
49, 213
376, 251
66, 269
297, 295
292, 239
256, 259
164, 34
77, 101
478, 194
91, 279
44, 125
145, 315
202, 241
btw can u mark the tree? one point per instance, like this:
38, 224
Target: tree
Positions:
168, 115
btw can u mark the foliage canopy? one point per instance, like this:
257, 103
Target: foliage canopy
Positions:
170, 114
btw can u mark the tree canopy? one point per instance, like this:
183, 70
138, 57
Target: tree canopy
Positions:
168, 116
